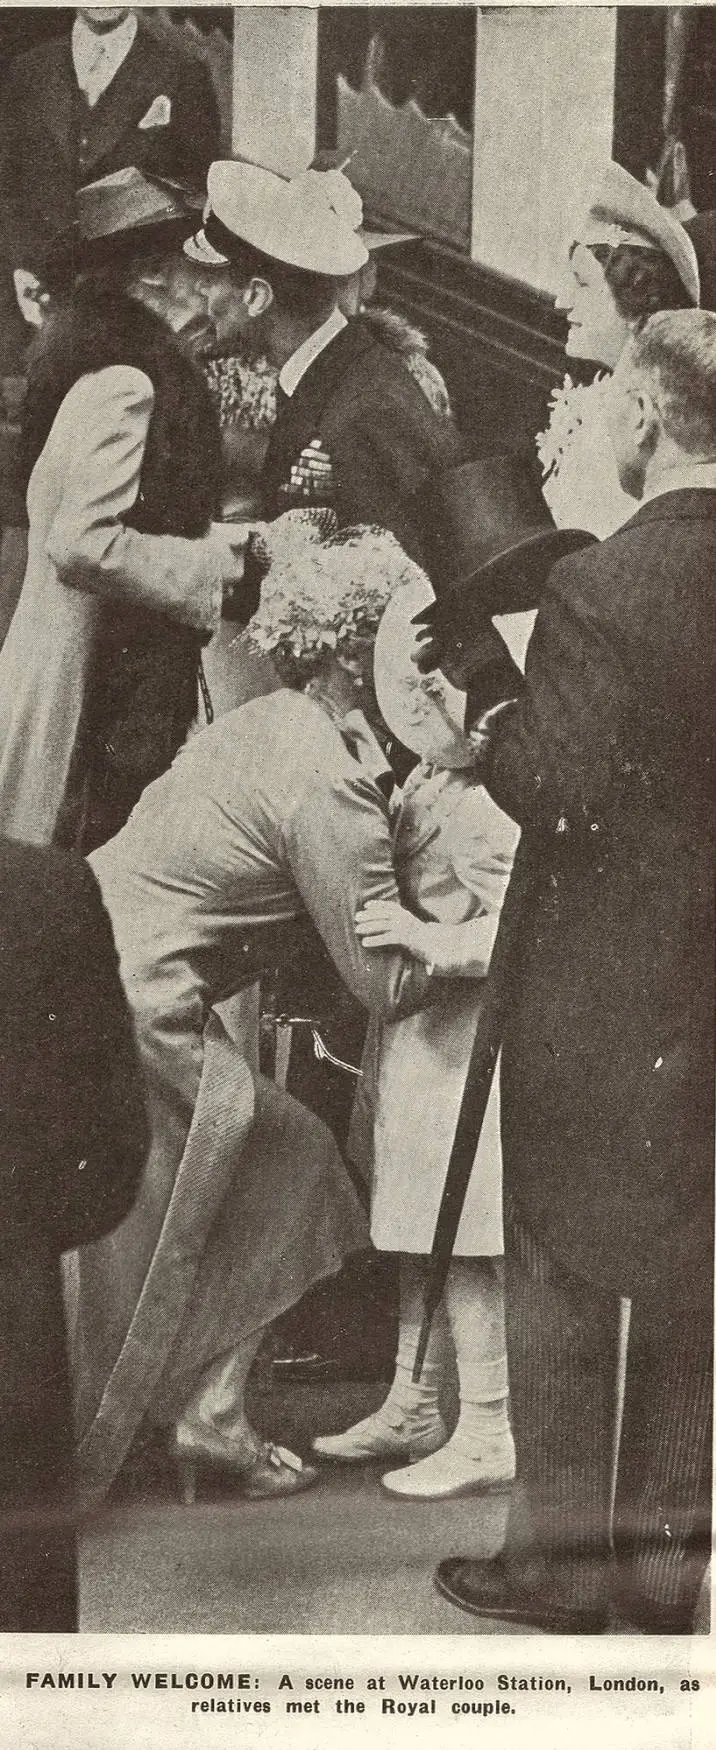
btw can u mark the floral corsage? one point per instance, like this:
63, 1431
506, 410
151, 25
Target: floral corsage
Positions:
571, 405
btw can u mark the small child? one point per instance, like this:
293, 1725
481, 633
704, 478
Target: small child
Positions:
453, 856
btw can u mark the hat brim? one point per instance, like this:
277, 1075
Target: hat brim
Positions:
510, 582
198, 248
427, 714
385, 239
72, 254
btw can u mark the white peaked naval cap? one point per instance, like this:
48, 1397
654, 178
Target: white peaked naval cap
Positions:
308, 222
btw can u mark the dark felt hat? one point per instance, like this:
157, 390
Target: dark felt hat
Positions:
493, 546
122, 215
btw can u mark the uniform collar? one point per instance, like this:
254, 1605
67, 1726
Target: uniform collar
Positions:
296, 366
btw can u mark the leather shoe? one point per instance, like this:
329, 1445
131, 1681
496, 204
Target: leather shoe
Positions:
263, 1474
488, 1588
654, 1619
377, 1436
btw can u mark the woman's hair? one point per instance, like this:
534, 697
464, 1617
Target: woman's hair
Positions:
641, 280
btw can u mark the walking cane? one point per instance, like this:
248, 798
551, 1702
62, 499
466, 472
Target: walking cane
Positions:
483, 1058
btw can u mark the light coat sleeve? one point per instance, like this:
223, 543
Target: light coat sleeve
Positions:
338, 845
107, 419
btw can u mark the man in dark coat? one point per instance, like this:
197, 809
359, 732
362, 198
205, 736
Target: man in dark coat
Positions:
606, 762
275, 255
77, 108
353, 430
72, 1145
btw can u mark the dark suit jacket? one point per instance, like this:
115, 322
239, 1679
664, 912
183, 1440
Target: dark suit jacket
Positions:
607, 765
51, 142
384, 439
72, 1145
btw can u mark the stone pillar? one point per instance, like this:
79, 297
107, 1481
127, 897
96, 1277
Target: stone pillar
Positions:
275, 82
544, 116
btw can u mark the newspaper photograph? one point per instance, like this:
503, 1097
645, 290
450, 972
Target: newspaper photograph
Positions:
357, 546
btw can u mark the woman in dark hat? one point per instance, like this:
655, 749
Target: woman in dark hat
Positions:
126, 574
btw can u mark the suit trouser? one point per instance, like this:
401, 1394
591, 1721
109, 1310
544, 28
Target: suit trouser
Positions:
562, 1339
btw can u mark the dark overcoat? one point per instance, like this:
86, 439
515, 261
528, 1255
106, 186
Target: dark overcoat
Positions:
607, 765
72, 1144
52, 142
385, 441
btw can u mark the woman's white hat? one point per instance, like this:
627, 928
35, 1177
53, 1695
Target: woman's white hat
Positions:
425, 711
307, 222
622, 210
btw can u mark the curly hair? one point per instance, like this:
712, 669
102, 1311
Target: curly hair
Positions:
642, 280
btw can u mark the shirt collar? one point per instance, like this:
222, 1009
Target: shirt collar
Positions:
691, 477
296, 366
115, 44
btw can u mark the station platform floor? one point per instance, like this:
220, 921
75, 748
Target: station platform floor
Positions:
343, 1558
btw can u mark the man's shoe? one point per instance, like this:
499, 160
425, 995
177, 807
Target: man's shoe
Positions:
488, 1589
656, 1619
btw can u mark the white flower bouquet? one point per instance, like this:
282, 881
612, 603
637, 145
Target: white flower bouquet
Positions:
323, 594
581, 483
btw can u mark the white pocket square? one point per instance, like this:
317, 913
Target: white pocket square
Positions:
158, 115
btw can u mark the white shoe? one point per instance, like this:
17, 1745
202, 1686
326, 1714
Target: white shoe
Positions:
450, 1472
382, 1435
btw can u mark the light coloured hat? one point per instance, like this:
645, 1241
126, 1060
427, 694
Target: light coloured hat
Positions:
335, 162
385, 239
622, 210
425, 711
307, 222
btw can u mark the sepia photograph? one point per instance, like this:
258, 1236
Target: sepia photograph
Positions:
357, 558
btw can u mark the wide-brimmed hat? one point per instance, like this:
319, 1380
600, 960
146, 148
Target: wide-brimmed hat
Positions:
308, 221
493, 546
428, 712
121, 215
622, 210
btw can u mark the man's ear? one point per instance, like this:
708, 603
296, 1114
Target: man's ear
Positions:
258, 297
646, 419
